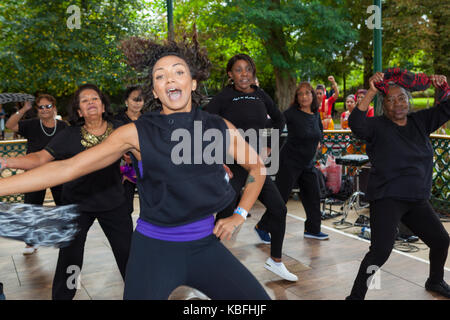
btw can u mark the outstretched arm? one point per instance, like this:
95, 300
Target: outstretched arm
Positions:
371, 93
55, 173
329, 102
435, 117
335, 87
358, 121
249, 159
27, 162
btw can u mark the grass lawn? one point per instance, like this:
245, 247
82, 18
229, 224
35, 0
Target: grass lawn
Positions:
418, 103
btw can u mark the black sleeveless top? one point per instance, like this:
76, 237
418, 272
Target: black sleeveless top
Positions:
179, 184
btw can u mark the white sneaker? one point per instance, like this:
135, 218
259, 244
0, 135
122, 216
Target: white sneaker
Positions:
29, 250
280, 270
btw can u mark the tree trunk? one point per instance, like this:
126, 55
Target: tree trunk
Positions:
285, 88
345, 88
368, 68
276, 46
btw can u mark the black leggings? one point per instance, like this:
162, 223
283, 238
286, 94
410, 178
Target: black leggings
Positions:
308, 183
118, 228
273, 220
38, 197
419, 217
156, 267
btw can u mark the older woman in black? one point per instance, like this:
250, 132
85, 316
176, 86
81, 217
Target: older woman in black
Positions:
38, 132
247, 107
399, 186
99, 195
175, 242
297, 157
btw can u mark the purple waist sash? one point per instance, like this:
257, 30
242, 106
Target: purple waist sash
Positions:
188, 232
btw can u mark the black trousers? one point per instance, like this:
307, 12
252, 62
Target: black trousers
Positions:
308, 183
38, 197
129, 189
118, 228
273, 220
157, 267
420, 218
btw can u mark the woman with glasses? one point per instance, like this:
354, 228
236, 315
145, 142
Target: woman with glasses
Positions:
98, 195
38, 132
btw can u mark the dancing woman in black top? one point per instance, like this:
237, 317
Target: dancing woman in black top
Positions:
399, 186
297, 157
247, 107
175, 242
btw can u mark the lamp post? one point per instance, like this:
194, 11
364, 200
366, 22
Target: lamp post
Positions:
170, 32
377, 49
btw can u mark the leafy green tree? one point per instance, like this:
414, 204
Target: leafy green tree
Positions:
417, 34
42, 50
298, 37
289, 40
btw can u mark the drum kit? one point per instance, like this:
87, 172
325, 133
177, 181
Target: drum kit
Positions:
354, 202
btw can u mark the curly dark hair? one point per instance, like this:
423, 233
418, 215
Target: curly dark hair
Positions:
142, 54
74, 117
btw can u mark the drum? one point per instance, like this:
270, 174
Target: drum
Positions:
354, 160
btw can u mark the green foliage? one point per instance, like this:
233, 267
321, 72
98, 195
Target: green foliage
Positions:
299, 37
41, 53
288, 39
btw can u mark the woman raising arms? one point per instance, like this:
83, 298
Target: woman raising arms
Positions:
400, 178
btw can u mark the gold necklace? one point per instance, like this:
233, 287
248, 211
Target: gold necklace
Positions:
89, 140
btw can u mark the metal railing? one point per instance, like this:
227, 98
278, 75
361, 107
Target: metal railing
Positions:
336, 142
12, 148
341, 142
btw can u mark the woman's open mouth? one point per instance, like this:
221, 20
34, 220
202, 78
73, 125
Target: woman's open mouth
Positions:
174, 93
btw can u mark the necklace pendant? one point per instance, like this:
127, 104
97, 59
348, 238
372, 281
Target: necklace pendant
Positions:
89, 140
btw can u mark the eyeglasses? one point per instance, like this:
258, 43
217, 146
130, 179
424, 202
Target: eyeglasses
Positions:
45, 106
